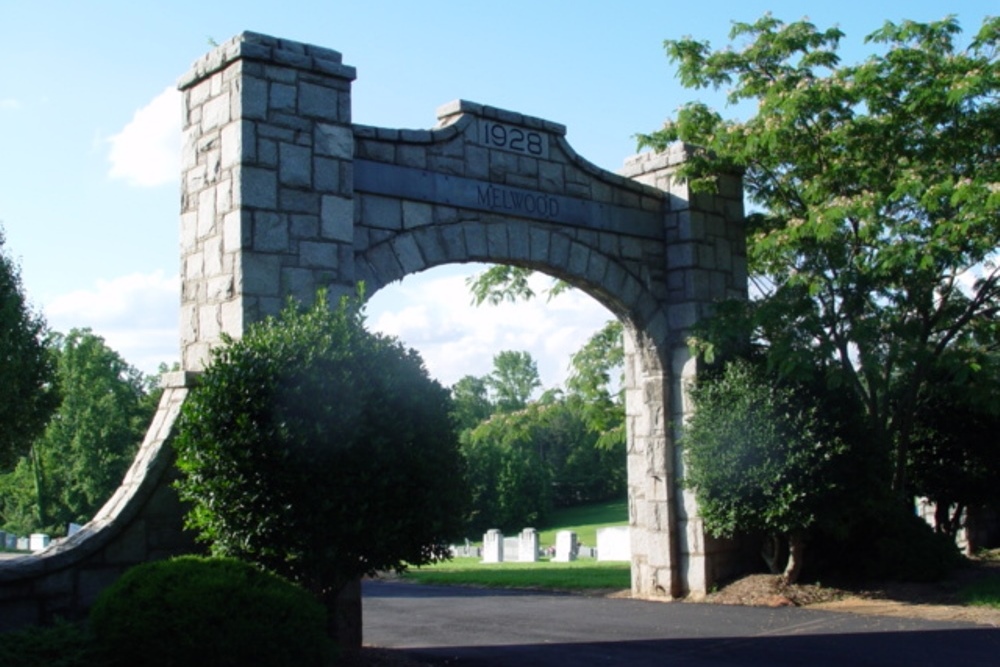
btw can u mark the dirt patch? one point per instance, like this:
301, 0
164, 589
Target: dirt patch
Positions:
934, 601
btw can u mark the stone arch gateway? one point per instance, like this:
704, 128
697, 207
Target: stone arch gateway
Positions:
283, 194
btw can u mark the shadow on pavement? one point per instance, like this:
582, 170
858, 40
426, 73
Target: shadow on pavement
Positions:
952, 648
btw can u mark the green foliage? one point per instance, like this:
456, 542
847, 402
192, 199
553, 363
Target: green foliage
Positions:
514, 378
321, 451
523, 464
500, 283
511, 487
60, 645
196, 611
591, 379
27, 371
758, 457
953, 458
896, 545
471, 401
595, 367
879, 216
81, 457
985, 593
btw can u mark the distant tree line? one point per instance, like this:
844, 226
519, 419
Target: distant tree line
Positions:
524, 457
72, 416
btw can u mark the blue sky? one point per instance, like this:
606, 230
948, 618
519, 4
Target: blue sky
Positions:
89, 135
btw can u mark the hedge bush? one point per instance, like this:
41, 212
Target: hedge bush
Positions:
208, 611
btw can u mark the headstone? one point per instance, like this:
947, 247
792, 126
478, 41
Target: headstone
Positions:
466, 550
22, 544
11, 543
565, 546
493, 546
38, 541
586, 552
511, 549
613, 544
527, 551
3, 540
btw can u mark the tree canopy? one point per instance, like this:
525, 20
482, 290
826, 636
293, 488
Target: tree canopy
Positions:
514, 378
75, 465
28, 394
761, 459
877, 187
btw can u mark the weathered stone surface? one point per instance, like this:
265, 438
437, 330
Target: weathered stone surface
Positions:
282, 194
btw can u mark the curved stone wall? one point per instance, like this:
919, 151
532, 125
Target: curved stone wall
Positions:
142, 521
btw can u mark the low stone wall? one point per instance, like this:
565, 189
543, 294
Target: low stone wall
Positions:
143, 521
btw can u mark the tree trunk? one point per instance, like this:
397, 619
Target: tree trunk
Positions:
773, 553
796, 549
343, 616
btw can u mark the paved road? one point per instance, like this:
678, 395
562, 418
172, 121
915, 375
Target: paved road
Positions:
461, 626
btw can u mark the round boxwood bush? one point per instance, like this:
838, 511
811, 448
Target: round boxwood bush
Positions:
208, 611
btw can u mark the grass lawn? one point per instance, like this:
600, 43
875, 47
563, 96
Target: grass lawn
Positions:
585, 520
573, 576
985, 593
576, 575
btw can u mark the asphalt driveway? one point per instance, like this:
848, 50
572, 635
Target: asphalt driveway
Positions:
464, 626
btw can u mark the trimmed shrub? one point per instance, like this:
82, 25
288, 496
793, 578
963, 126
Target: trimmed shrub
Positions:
909, 550
61, 645
208, 611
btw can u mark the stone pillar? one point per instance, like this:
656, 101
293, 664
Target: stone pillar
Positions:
267, 185
527, 551
493, 546
706, 263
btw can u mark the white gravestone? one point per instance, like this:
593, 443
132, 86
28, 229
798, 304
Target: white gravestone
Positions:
527, 551
511, 545
565, 546
613, 544
493, 546
38, 541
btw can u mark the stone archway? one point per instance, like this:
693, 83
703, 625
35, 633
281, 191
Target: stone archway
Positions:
283, 194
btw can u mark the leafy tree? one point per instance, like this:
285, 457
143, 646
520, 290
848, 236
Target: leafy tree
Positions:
472, 405
760, 460
592, 379
953, 461
500, 283
514, 378
522, 464
322, 452
27, 370
511, 485
595, 369
875, 242
80, 459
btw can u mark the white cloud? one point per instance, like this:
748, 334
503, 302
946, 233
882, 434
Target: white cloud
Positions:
431, 313
146, 152
137, 315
